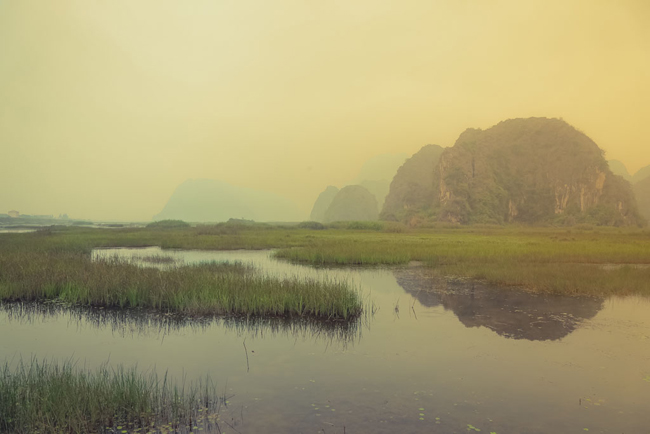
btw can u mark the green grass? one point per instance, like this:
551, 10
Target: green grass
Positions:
168, 224
50, 397
204, 289
550, 260
556, 260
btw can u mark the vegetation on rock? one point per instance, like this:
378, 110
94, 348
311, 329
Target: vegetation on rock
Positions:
642, 193
530, 171
411, 191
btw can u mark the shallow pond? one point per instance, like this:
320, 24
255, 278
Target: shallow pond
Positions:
450, 357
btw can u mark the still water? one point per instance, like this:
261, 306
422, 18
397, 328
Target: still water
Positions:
435, 357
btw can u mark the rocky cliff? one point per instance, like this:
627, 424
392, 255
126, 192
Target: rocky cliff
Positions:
322, 203
530, 170
353, 202
412, 189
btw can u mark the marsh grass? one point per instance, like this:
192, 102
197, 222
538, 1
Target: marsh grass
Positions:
575, 262
538, 259
51, 397
157, 259
205, 289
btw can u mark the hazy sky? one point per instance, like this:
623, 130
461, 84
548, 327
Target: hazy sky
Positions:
107, 105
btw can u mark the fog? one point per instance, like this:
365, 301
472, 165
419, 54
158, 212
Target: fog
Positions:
107, 106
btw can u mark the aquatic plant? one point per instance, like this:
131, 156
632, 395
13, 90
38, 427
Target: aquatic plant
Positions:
52, 397
203, 289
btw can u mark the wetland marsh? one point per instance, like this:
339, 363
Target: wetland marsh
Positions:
428, 354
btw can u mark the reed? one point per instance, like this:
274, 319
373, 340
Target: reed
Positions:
197, 290
51, 397
536, 258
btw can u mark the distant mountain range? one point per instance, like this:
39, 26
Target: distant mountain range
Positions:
529, 171
208, 200
619, 168
375, 177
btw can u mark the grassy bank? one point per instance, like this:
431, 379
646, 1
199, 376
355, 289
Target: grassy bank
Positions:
204, 289
592, 261
50, 397
559, 260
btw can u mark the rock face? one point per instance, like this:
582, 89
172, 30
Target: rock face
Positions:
412, 189
642, 193
530, 171
322, 203
207, 200
353, 202
619, 169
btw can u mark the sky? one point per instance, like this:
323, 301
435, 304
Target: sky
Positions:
107, 105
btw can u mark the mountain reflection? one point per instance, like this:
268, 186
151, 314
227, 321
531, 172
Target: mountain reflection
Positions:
510, 313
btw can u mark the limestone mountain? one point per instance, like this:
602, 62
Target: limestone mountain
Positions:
641, 174
375, 175
411, 190
378, 188
530, 171
352, 202
207, 200
642, 193
322, 203
619, 169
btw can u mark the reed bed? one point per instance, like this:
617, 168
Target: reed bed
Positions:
196, 290
560, 260
50, 397
594, 262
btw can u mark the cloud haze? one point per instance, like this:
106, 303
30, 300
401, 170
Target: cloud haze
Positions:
107, 106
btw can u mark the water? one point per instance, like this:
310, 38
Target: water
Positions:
435, 357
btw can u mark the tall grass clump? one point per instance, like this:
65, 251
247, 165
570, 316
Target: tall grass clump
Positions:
202, 289
50, 397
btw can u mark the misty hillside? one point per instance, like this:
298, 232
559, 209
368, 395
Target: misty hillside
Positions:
381, 167
411, 190
207, 200
642, 193
529, 171
322, 203
351, 203
618, 168
641, 174
379, 189
375, 176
